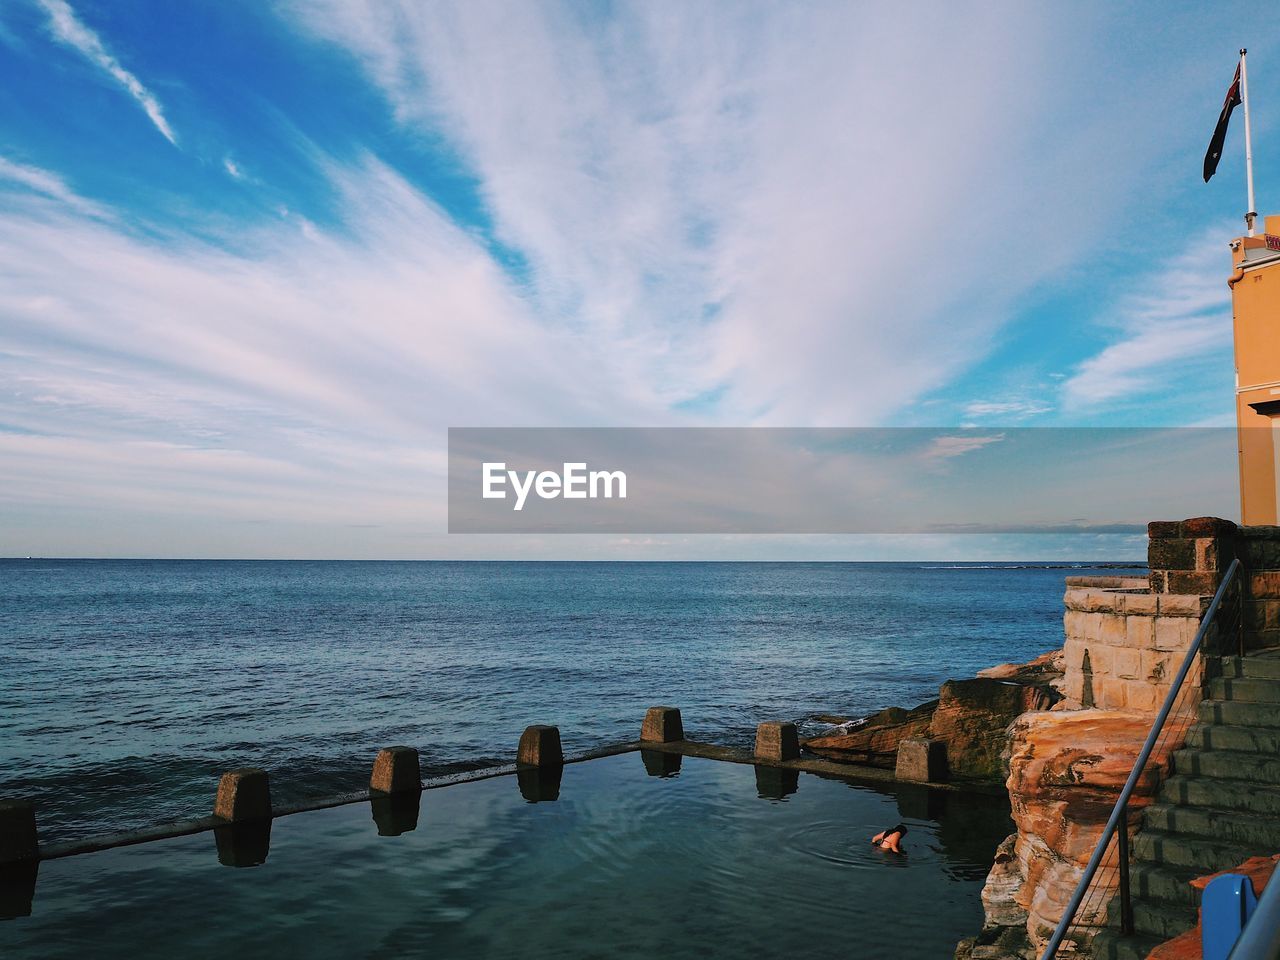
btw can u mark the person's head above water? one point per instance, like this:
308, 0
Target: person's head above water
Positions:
888, 839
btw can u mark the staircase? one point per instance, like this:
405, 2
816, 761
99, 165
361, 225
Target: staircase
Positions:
1219, 806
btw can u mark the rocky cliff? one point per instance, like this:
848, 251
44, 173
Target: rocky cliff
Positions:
971, 717
1066, 769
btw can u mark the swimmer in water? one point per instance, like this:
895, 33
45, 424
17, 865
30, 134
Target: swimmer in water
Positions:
890, 839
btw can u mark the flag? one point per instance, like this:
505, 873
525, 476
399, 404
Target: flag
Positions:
1214, 153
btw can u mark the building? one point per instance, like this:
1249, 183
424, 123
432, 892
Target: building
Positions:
1255, 302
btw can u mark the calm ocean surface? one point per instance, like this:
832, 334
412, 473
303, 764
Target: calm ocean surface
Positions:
126, 687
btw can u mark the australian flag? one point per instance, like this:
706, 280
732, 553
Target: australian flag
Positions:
1214, 154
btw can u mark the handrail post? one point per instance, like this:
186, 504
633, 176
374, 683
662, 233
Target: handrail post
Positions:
1122, 848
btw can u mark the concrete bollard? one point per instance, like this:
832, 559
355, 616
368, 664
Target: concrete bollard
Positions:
18, 832
777, 740
540, 747
921, 759
396, 770
243, 794
662, 725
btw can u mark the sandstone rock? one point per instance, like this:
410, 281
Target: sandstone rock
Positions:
1045, 669
973, 717
999, 893
875, 740
1065, 772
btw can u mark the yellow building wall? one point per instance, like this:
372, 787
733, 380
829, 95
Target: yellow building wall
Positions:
1255, 300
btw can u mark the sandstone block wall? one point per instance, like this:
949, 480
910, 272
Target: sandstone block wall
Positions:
1123, 643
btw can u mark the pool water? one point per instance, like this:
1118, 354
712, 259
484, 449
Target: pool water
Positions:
635, 855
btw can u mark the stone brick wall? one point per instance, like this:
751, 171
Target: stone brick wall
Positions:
1259, 552
1124, 643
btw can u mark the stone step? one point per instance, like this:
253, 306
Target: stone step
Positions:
1245, 690
1260, 668
1172, 885
1215, 823
1194, 792
1160, 919
1207, 736
1112, 945
1234, 765
1240, 713
1204, 855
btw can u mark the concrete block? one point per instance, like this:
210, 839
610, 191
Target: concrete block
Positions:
18, 831
1162, 529
923, 760
662, 725
243, 794
777, 740
540, 747
395, 770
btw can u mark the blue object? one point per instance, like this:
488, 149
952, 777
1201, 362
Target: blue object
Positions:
1224, 910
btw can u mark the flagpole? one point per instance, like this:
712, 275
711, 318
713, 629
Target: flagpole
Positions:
1248, 141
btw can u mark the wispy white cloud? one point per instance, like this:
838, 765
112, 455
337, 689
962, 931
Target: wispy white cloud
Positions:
740, 194
949, 447
1011, 410
71, 30
46, 183
232, 168
311, 375
1179, 315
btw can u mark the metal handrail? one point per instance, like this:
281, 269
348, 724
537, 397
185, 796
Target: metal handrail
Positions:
1120, 813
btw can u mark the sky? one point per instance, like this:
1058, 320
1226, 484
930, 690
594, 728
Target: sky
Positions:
257, 258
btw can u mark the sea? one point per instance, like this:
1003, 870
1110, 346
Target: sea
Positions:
128, 686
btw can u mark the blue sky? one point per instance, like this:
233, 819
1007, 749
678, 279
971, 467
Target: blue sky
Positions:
255, 259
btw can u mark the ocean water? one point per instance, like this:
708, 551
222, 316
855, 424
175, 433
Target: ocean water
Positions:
711, 859
127, 687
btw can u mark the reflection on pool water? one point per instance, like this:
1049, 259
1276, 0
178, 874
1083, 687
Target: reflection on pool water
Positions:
648, 855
